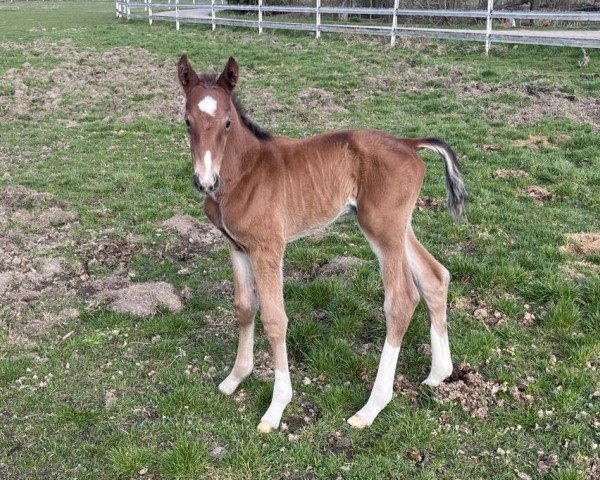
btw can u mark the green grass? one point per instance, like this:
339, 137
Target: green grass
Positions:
124, 175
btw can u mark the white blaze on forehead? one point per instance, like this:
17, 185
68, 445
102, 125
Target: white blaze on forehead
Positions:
208, 105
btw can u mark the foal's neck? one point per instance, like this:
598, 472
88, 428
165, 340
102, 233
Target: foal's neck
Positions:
240, 153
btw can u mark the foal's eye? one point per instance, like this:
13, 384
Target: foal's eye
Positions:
187, 122
227, 124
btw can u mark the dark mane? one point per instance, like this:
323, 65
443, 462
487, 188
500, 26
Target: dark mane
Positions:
210, 79
258, 132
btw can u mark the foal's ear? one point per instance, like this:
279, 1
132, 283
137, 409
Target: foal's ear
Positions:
229, 77
187, 77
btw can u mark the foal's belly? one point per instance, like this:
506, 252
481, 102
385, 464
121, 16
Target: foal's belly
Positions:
304, 223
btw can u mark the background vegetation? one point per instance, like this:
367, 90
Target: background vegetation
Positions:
94, 159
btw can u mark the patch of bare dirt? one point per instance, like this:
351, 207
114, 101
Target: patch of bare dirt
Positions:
194, 237
142, 299
124, 84
223, 288
344, 266
538, 194
427, 203
491, 148
583, 243
543, 100
321, 102
296, 420
37, 285
112, 253
488, 315
407, 76
262, 105
263, 365
476, 394
594, 469
338, 443
533, 142
547, 462
505, 174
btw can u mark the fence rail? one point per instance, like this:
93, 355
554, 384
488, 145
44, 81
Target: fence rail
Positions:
206, 13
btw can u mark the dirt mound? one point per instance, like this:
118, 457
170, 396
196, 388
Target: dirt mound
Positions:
504, 174
125, 84
428, 203
319, 100
340, 266
143, 299
37, 284
54, 216
584, 243
111, 253
533, 142
262, 106
18, 196
476, 394
538, 194
488, 315
540, 99
195, 237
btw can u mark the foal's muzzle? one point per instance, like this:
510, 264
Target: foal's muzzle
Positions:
206, 187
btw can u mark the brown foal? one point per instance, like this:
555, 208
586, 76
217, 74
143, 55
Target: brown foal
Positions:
263, 191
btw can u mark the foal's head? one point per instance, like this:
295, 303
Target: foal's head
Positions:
208, 116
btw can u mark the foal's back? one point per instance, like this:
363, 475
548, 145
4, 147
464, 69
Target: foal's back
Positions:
319, 177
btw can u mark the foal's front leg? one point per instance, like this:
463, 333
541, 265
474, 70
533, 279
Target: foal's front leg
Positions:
245, 309
267, 266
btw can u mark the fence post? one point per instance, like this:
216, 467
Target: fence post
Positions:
488, 27
128, 10
150, 12
176, 14
212, 13
395, 21
318, 5
260, 29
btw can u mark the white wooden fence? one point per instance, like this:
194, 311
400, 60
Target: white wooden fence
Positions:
206, 13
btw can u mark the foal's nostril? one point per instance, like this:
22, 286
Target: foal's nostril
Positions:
197, 183
216, 184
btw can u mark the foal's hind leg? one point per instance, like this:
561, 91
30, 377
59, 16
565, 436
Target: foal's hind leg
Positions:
387, 238
431, 279
246, 304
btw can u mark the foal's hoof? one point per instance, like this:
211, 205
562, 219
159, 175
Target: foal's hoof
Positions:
357, 422
437, 378
227, 386
431, 382
264, 427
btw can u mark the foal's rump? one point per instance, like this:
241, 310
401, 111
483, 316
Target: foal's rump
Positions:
394, 159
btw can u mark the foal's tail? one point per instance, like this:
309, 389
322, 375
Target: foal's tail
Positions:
455, 186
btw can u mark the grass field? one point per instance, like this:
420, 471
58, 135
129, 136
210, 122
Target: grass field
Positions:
94, 159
